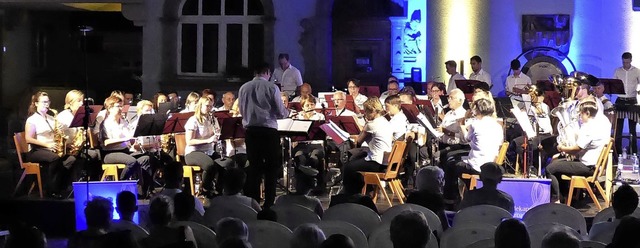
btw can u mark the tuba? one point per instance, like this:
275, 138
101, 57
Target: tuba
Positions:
567, 120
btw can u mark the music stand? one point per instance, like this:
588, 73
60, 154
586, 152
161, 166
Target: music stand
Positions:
95, 110
426, 104
78, 118
150, 124
168, 107
222, 114
297, 106
315, 133
289, 128
427, 121
612, 86
231, 128
347, 123
503, 107
175, 123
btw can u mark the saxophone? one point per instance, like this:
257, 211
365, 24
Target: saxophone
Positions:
58, 135
77, 143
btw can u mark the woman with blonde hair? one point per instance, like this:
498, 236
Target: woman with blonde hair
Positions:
116, 139
190, 103
377, 134
40, 130
202, 132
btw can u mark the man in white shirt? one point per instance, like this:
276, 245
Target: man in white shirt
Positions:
392, 89
451, 67
287, 75
453, 141
260, 106
517, 79
478, 73
227, 101
305, 91
630, 76
598, 90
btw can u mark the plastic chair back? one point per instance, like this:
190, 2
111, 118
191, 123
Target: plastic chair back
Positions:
269, 234
294, 215
347, 229
481, 214
556, 213
362, 217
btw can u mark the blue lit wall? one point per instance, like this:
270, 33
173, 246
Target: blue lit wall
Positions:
106, 189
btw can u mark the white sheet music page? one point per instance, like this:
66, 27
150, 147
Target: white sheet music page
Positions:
523, 120
335, 132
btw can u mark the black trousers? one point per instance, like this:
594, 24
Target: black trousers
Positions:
622, 103
265, 159
341, 149
451, 152
414, 154
452, 171
311, 155
563, 167
209, 169
548, 142
135, 163
55, 170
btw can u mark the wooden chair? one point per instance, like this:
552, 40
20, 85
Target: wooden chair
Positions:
110, 170
390, 176
188, 170
582, 182
473, 179
29, 168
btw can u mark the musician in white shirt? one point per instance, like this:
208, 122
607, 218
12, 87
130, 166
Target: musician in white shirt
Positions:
378, 136
598, 90
190, 103
353, 85
309, 154
287, 75
630, 76
202, 132
227, 101
437, 91
479, 73
517, 79
451, 67
305, 91
393, 88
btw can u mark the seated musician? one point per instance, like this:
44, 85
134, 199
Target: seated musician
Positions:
309, 155
544, 142
305, 91
598, 91
103, 112
190, 103
353, 85
157, 147
419, 150
236, 149
285, 100
201, 133
452, 142
340, 102
592, 136
227, 101
485, 136
378, 136
437, 90
159, 98
116, 136
76, 137
399, 125
40, 133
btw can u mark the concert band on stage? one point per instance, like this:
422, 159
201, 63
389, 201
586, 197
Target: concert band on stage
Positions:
463, 132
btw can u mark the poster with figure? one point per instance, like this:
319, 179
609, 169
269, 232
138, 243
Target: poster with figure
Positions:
412, 34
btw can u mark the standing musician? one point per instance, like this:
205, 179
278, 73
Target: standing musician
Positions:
43, 134
201, 133
309, 155
76, 135
518, 81
452, 67
484, 135
116, 140
378, 136
591, 140
630, 76
353, 85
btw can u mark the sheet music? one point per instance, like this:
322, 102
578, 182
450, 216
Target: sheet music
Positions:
422, 119
526, 99
335, 132
290, 125
523, 120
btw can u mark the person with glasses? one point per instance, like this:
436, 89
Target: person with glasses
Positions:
353, 85
393, 88
116, 138
437, 90
39, 131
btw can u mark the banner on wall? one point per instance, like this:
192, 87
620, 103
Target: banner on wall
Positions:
409, 39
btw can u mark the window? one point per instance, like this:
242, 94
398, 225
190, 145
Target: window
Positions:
220, 36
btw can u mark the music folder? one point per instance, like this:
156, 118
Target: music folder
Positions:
175, 122
78, 118
150, 124
222, 114
523, 120
291, 127
231, 128
335, 132
297, 106
414, 116
612, 86
315, 133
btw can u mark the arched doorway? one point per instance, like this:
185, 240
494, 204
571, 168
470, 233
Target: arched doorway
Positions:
361, 46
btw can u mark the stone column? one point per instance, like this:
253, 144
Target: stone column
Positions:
397, 41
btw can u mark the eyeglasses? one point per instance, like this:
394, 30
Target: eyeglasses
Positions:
45, 102
435, 90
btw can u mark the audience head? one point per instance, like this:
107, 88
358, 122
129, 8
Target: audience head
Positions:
338, 241
372, 108
409, 229
99, 213
431, 179
304, 183
626, 234
22, 235
230, 227
268, 214
126, 205
160, 210
307, 236
234, 181
625, 201
173, 173
235, 243
491, 174
560, 238
353, 182
184, 205
512, 233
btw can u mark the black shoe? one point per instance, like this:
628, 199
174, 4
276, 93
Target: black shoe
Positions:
56, 196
